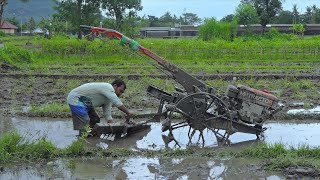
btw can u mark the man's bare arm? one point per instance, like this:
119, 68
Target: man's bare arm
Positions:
125, 110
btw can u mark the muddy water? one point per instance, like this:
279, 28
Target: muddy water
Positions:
60, 132
315, 110
143, 168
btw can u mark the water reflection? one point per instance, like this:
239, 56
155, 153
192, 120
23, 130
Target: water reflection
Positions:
132, 168
315, 110
60, 132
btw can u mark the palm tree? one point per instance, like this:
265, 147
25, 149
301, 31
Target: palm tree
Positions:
314, 12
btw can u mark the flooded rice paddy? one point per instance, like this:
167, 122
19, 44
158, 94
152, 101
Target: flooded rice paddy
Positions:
60, 132
143, 168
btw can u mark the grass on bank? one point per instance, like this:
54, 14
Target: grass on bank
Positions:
53, 107
278, 157
14, 147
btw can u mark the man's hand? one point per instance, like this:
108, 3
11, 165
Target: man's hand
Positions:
130, 123
125, 110
129, 115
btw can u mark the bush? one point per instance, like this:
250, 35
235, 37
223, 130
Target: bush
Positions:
2, 34
213, 29
12, 54
272, 33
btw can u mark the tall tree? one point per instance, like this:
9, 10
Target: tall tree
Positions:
31, 24
295, 13
3, 3
314, 9
13, 20
78, 12
190, 19
227, 18
167, 19
284, 17
118, 9
133, 24
245, 14
45, 24
307, 16
154, 21
267, 9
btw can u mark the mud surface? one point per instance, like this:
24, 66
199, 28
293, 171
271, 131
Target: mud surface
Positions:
60, 132
19, 92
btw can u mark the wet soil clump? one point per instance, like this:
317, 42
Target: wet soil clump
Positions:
301, 173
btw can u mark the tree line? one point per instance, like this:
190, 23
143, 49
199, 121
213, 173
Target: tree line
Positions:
122, 16
271, 12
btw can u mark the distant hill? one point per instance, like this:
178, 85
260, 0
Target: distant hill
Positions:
33, 8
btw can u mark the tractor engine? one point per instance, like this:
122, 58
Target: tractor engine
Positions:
251, 105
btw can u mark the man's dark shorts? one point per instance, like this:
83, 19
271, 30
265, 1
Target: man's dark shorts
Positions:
83, 115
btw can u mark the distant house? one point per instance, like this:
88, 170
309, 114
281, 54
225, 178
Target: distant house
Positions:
39, 31
36, 31
155, 32
169, 32
7, 27
189, 30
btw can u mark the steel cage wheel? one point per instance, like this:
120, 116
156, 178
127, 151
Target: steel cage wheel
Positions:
201, 108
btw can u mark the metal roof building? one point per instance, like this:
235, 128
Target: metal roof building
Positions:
193, 31
169, 32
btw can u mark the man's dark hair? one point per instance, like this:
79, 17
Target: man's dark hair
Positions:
119, 83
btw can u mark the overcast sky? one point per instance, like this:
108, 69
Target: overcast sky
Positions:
207, 8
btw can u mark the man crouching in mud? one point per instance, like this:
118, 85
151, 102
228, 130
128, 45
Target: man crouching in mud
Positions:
83, 99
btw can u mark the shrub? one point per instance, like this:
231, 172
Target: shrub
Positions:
2, 34
272, 33
212, 29
12, 54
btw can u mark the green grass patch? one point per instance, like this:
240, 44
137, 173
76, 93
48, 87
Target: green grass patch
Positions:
277, 156
14, 146
50, 107
70, 56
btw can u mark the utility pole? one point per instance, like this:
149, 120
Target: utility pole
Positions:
21, 27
